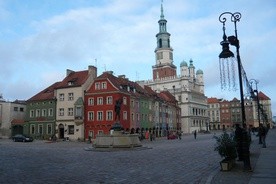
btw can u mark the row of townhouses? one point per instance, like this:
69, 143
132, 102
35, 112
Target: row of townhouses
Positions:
225, 114
82, 106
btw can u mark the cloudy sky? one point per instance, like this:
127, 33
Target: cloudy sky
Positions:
40, 39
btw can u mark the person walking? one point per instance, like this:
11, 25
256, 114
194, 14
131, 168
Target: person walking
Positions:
195, 134
238, 138
262, 133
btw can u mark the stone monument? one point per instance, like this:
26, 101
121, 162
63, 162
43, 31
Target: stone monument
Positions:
117, 137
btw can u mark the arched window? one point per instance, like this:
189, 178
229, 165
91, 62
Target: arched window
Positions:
160, 43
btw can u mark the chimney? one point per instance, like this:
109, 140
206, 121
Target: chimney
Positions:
122, 76
92, 70
68, 72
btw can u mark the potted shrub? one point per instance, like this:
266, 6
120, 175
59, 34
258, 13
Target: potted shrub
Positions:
226, 147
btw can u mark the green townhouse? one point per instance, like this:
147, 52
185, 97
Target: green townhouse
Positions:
41, 114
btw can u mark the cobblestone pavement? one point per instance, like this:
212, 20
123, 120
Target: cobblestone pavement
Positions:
168, 161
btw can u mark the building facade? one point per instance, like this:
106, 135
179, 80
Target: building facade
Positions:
141, 109
70, 103
11, 117
231, 113
214, 113
40, 119
188, 87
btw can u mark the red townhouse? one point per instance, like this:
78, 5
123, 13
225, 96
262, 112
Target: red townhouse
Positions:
100, 100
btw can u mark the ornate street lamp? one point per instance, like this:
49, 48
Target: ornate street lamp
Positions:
227, 72
227, 56
256, 97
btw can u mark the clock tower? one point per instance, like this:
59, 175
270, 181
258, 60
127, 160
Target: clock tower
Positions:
164, 66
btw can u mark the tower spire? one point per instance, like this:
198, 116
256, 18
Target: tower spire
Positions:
162, 12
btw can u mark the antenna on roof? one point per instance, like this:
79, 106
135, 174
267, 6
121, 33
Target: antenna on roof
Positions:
96, 62
137, 76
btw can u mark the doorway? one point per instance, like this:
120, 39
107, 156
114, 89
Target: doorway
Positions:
61, 131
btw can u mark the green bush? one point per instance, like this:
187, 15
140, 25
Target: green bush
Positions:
226, 146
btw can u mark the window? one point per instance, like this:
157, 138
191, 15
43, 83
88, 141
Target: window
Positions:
32, 113
32, 129
132, 116
109, 115
44, 113
125, 115
132, 103
37, 113
61, 97
90, 116
70, 111
50, 112
97, 85
100, 116
15, 108
91, 133
171, 56
100, 101
78, 113
90, 101
70, 96
100, 132
137, 117
104, 85
71, 129
21, 109
109, 100
40, 129
61, 111
124, 100
49, 129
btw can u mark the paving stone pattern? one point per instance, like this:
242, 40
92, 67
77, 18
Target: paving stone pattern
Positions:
168, 161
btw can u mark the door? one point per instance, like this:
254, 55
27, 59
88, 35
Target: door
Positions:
61, 131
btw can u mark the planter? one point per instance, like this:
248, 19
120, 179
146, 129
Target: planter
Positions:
227, 165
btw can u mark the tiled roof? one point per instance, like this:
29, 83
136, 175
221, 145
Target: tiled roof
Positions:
262, 96
46, 94
167, 96
212, 100
74, 79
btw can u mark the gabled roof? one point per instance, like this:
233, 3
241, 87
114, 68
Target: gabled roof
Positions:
234, 100
167, 96
46, 94
212, 100
74, 79
262, 96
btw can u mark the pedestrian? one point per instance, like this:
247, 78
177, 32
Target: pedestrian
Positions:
195, 134
263, 132
179, 134
245, 149
238, 138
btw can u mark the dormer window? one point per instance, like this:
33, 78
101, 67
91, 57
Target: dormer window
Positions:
70, 83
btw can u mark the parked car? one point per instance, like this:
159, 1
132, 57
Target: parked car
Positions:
22, 138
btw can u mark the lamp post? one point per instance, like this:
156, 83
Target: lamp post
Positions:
225, 55
258, 101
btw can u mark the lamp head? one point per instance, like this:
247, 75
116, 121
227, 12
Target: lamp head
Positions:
226, 53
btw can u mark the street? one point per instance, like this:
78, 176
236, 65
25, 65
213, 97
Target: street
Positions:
160, 161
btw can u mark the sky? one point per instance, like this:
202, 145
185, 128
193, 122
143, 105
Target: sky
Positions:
39, 40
